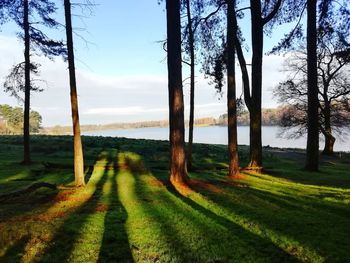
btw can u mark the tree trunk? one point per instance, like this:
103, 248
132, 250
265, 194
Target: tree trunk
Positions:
329, 138
78, 148
192, 84
329, 144
178, 173
312, 93
255, 139
255, 111
231, 91
26, 132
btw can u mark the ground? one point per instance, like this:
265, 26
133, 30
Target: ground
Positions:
128, 212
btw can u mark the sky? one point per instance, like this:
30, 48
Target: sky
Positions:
121, 69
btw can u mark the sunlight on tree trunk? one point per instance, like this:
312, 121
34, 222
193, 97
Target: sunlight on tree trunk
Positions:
231, 91
178, 172
78, 148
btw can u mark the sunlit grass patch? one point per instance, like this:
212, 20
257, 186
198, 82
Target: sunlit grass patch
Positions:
128, 212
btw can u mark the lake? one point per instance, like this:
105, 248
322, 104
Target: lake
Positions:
218, 135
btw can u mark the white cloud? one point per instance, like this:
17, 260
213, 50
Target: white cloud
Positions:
106, 99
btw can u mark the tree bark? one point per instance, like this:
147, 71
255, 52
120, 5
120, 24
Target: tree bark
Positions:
178, 173
255, 112
329, 144
327, 132
312, 147
26, 131
231, 91
192, 84
78, 148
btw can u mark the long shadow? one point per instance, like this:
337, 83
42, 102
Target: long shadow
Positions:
24, 205
309, 223
333, 170
241, 244
265, 248
63, 241
115, 244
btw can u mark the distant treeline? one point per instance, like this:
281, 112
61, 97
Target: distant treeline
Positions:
270, 117
119, 126
11, 120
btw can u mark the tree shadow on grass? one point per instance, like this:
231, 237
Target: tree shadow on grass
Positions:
68, 233
306, 223
262, 247
115, 244
333, 170
182, 221
40, 199
97, 225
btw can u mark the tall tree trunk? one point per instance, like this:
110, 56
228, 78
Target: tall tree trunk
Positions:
78, 148
192, 84
255, 112
26, 132
312, 90
178, 173
231, 90
329, 138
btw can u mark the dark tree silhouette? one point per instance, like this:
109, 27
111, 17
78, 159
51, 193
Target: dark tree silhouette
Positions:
21, 12
78, 148
26, 27
326, 20
15, 81
312, 89
333, 93
178, 172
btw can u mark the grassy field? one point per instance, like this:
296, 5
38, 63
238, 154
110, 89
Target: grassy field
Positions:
128, 212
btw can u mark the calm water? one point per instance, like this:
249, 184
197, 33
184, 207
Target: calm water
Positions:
218, 135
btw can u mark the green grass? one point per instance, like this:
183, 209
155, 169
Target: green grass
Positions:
128, 212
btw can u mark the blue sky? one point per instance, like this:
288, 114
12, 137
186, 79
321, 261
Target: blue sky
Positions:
121, 72
124, 37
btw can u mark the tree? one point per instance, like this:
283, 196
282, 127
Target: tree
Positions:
261, 15
78, 148
13, 119
21, 11
15, 81
325, 21
178, 173
264, 15
231, 89
333, 93
219, 42
312, 90
190, 48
